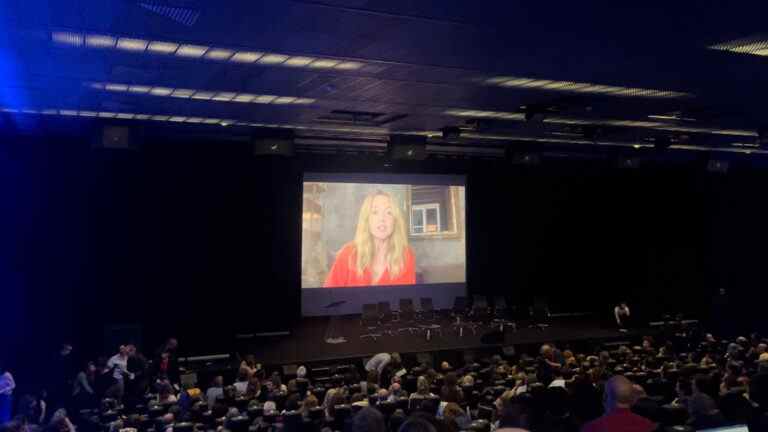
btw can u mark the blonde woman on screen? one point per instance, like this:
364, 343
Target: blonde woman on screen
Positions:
379, 254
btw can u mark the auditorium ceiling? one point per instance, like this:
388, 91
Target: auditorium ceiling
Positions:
694, 76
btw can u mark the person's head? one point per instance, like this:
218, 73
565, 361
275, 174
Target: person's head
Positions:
380, 219
165, 391
623, 304
66, 349
301, 372
243, 375
218, 381
761, 348
130, 349
395, 361
619, 393
90, 367
416, 424
546, 351
171, 344
516, 411
368, 420
684, 388
422, 385
123, 350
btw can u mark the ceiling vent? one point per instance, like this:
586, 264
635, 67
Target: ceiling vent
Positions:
360, 118
181, 14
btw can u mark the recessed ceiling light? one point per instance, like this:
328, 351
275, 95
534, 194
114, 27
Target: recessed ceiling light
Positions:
100, 41
87, 113
203, 95
182, 93
131, 44
160, 117
211, 121
273, 59
126, 116
143, 116
161, 91
191, 51
49, 112
139, 89
577, 87
284, 100
68, 112
224, 96
219, 54
299, 61
107, 114
323, 64
304, 101
177, 119
349, 66
244, 97
159, 47
245, 57
264, 99
116, 87
194, 120
67, 38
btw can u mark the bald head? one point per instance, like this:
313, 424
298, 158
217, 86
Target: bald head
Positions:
619, 393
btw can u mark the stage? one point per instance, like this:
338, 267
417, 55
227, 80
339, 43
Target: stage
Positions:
306, 342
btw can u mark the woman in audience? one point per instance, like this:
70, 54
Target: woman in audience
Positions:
215, 391
422, 391
83, 392
241, 385
7, 385
451, 392
379, 253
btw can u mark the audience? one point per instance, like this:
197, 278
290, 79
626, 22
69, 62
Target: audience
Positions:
682, 380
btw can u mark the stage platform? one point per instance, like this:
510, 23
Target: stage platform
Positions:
306, 342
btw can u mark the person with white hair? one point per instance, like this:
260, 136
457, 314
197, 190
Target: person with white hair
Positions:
618, 398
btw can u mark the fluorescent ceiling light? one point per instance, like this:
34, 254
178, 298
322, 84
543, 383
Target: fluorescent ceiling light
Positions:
182, 93
160, 117
265, 99
194, 51
194, 120
323, 64
131, 44
139, 89
177, 119
245, 57
244, 97
159, 47
577, 87
161, 91
219, 54
87, 113
298, 61
100, 41
67, 38
273, 59
142, 117
107, 115
191, 51
755, 45
126, 116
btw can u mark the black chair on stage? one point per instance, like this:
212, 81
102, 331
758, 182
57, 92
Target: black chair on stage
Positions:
502, 315
540, 315
370, 321
408, 319
386, 317
460, 313
481, 311
428, 318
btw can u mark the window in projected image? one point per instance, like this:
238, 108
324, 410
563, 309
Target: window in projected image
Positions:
362, 234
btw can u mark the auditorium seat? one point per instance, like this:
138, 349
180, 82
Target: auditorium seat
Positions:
408, 319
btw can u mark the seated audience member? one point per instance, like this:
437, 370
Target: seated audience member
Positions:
703, 412
254, 389
515, 414
249, 365
368, 420
422, 390
215, 391
241, 385
546, 364
308, 404
684, 390
165, 395
619, 397
83, 388
451, 392
455, 418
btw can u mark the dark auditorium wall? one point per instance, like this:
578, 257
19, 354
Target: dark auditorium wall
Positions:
201, 240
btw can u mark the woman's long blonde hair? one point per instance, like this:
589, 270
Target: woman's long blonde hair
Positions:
398, 241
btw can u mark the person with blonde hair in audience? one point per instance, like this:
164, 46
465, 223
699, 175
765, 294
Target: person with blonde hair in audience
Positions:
422, 390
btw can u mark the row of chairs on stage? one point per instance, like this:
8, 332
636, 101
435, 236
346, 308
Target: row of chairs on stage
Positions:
379, 319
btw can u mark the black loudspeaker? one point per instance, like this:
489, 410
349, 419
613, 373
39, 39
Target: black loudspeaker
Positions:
273, 143
117, 137
408, 147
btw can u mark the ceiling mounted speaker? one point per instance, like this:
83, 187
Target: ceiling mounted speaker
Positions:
117, 138
408, 147
273, 143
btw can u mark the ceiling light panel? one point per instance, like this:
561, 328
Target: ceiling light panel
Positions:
578, 87
184, 93
755, 45
195, 51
